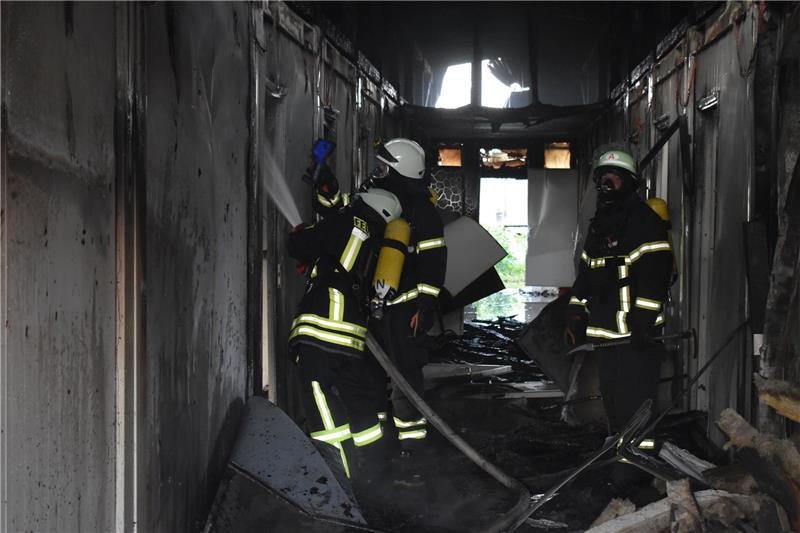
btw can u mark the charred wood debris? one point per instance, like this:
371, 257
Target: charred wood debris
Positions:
686, 482
487, 342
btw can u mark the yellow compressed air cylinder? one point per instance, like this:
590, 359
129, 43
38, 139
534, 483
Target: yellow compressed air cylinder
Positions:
660, 207
391, 258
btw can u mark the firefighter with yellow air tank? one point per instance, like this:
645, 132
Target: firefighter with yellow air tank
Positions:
410, 313
416, 259
624, 273
341, 387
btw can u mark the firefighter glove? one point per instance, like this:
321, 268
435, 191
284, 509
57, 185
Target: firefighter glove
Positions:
422, 320
575, 330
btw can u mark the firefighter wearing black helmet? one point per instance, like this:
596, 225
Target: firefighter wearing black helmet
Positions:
623, 277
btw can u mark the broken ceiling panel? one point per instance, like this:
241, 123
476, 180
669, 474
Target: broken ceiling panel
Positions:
532, 121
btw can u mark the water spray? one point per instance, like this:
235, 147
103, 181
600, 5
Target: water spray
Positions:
277, 188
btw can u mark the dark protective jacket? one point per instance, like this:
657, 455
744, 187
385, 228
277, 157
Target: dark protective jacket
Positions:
624, 271
426, 260
332, 314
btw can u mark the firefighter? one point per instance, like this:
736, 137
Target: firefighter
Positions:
340, 387
328, 198
623, 278
410, 315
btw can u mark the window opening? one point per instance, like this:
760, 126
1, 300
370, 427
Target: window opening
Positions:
499, 88
450, 156
503, 158
504, 214
456, 87
557, 155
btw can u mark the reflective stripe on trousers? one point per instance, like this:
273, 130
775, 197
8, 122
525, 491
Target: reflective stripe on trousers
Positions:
368, 436
411, 429
332, 434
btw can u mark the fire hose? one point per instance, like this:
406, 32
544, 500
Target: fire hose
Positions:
524, 507
523, 502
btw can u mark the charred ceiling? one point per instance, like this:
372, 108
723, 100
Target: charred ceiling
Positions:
535, 121
563, 60
570, 45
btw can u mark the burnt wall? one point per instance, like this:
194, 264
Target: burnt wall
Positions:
779, 359
145, 149
292, 124
104, 423
57, 367
196, 130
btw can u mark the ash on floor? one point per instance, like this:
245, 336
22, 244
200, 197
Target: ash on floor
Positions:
524, 437
526, 442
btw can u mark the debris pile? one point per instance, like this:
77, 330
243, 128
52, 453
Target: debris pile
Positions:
683, 481
487, 342
707, 510
758, 491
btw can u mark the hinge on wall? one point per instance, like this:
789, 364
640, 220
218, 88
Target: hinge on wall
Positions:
709, 101
662, 122
274, 89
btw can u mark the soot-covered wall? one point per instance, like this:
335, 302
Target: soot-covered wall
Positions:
196, 129
57, 362
69, 389
142, 142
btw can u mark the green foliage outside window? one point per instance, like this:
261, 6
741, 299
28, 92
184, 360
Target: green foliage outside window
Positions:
515, 242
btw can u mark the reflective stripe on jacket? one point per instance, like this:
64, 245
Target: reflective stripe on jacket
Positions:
622, 285
331, 315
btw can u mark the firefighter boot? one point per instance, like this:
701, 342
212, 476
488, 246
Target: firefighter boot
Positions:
408, 465
371, 463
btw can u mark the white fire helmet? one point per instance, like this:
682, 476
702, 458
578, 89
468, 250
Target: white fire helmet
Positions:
382, 202
405, 156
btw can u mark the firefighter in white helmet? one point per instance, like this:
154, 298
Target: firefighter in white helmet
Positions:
410, 315
341, 388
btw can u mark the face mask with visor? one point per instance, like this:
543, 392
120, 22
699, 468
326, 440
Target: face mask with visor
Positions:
381, 171
607, 193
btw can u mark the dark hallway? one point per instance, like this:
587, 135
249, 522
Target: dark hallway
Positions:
158, 164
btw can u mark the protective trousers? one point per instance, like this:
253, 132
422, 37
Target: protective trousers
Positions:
341, 396
628, 377
409, 355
